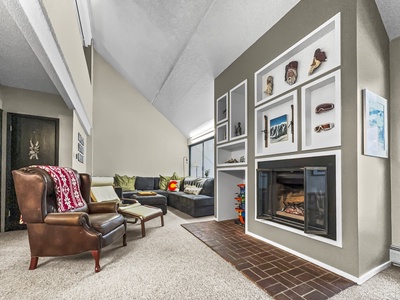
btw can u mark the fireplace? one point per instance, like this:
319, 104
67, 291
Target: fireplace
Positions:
300, 193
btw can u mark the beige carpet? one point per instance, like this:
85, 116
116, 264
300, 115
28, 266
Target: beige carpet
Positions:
169, 263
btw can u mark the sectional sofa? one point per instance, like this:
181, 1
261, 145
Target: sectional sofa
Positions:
194, 197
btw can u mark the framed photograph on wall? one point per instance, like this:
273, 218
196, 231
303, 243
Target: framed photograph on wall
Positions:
375, 125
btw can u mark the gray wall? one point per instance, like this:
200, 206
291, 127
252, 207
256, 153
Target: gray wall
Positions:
300, 21
373, 173
129, 135
395, 138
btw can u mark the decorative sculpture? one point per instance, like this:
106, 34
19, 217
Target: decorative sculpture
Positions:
291, 72
319, 57
238, 129
270, 85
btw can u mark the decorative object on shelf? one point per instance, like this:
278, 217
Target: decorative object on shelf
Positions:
291, 125
270, 85
240, 205
207, 172
238, 130
324, 107
324, 127
231, 161
265, 131
278, 129
291, 72
242, 159
319, 57
375, 125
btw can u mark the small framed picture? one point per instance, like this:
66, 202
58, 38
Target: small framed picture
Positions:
375, 121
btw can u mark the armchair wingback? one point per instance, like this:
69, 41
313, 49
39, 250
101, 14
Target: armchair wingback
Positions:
90, 227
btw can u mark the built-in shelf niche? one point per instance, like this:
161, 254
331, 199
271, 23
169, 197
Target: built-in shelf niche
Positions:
222, 133
238, 111
232, 154
227, 180
326, 38
277, 126
324, 90
222, 108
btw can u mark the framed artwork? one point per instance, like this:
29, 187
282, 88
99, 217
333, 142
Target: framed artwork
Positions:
276, 126
278, 129
81, 148
375, 119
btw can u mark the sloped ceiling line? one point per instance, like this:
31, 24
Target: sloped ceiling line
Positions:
180, 54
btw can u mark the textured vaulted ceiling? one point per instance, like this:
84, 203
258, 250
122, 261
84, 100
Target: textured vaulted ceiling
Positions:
169, 50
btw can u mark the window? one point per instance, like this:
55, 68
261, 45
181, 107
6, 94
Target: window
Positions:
201, 159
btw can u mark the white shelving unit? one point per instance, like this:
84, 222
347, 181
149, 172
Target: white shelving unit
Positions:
276, 126
236, 150
238, 111
326, 38
222, 108
324, 90
228, 179
222, 133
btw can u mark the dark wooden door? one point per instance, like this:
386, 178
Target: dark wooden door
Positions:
31, 140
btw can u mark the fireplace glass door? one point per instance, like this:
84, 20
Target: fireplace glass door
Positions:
316, 204
297, 197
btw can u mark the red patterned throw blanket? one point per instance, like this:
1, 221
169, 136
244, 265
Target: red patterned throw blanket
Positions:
66, 185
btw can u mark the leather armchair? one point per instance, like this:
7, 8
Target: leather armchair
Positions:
88, 228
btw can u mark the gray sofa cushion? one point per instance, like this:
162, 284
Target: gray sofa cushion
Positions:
145, 183
208, 188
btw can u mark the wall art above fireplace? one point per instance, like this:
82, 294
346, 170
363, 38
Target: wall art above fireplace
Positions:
301, 194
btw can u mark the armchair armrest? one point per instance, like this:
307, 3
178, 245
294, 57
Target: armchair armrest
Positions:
68, 219
103, 207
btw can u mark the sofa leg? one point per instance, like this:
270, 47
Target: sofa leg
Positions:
96, 256
34, 262
162, 220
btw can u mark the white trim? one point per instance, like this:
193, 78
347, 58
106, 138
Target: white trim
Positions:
339, 234
83, 13
373, 272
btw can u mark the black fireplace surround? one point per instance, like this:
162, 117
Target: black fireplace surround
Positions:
300, 193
